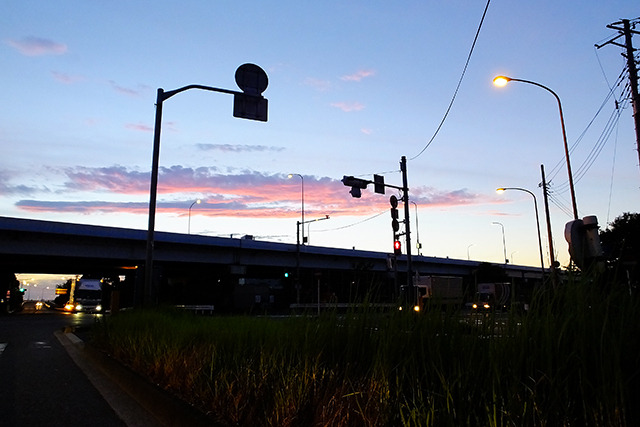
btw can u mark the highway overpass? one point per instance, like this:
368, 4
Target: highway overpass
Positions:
195, 267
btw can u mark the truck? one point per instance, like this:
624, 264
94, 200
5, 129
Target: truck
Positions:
438, 291
492, 296
85, 295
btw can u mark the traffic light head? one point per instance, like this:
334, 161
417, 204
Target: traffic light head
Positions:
355, 192
397, 247
356, 185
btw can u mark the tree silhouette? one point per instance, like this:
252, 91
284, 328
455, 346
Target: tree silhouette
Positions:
621, 245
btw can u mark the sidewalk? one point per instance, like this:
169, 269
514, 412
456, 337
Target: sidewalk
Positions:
133, 398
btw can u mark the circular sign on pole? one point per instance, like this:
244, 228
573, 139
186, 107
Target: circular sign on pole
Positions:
251, 79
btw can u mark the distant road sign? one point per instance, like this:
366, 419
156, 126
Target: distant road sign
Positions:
250, 104
251, 79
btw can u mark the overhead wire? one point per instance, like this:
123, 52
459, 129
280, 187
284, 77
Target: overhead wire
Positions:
602, 139
558, 166
613, 164
455, 93
353, 224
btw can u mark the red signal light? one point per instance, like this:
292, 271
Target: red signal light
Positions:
397, 247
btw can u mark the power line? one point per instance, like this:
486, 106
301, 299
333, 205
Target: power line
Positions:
455, 93
354, 224
613, 164
602, 139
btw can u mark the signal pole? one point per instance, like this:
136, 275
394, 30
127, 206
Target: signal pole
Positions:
358, 184
405, 197
627, 32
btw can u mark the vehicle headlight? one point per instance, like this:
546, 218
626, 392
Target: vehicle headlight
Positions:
78, 307
69, 307
475, 306
98, 307
487, 306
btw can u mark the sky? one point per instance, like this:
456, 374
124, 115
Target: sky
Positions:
353, 87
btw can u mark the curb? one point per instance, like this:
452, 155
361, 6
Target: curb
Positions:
136, 401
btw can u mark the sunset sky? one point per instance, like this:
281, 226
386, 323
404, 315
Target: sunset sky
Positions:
353, 86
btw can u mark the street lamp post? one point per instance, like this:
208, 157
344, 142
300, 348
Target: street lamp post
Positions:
502, 81
248, 104
198, 201
504, 245
535, 206
309, 226
291, 175
418, 244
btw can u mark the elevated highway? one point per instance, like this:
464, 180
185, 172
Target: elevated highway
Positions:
36, 246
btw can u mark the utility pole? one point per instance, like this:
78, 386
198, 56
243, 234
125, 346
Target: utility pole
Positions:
627, 31
407, 222
552, 259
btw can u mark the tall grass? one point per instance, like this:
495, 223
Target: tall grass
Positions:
572, 360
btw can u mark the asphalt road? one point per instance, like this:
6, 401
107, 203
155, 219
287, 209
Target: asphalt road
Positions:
48, 376
39, 382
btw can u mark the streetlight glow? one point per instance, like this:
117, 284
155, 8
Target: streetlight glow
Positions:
501, 81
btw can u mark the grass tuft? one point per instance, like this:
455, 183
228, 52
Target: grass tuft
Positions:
572, 360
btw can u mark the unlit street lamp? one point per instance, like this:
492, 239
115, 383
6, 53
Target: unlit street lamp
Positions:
198, 201
535, 206
291, 175
504, 245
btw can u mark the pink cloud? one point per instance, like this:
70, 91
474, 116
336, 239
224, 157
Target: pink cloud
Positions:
358, 76
66, 78
318, 84
247, 194
139, 127
37, 46
237, 148
140, 90
348, 106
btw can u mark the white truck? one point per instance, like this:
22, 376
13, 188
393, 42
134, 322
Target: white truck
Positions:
85, 295
492, 296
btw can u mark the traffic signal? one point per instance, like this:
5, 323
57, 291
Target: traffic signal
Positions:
356, 184
393, 200
397, 247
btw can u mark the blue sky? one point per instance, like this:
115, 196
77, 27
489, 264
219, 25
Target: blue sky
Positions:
353, 86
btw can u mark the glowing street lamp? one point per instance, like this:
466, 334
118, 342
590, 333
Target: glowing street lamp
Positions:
197, 202
535, 206
501, 81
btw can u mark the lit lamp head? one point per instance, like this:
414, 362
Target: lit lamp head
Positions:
500, 190
501, 81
